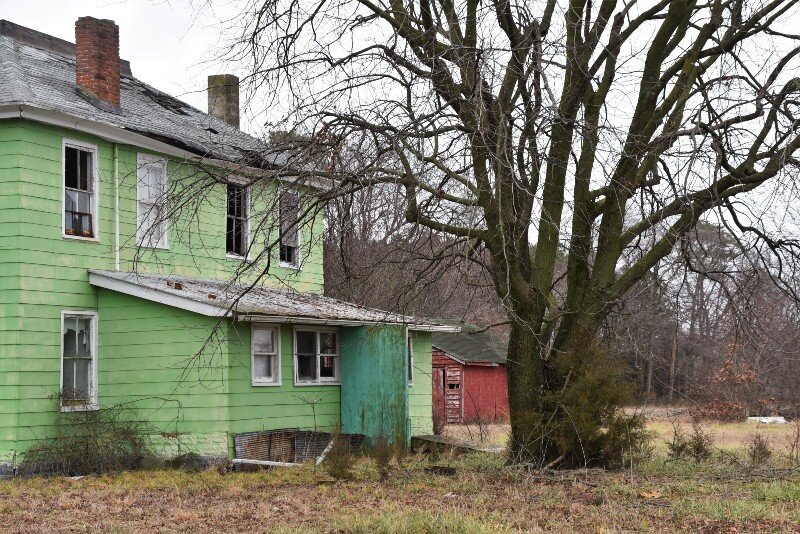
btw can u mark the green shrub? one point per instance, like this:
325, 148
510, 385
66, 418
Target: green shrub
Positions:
581, 422
340, 461
759, 450
698, 445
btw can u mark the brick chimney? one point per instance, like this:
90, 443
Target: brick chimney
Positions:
223, 98
97, 59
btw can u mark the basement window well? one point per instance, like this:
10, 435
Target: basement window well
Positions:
80, 190
316, 356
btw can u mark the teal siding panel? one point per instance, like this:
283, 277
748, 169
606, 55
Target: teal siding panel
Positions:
374, 385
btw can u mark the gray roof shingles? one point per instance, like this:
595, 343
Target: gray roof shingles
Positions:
482, 347
262, 301
45, 79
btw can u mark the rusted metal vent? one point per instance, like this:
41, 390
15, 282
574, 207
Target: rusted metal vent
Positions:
268, 445
309, 446
288, 445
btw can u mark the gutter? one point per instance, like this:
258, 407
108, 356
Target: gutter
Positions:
291, 319
116, 207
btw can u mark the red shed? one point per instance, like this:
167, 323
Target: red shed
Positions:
469, 377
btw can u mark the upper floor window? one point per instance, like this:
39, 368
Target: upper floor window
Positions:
266, 358
151, 196
80, 190
78, 359
236, 233
289, 236
316, 355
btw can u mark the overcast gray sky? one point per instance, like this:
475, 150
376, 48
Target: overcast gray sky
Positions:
168, 42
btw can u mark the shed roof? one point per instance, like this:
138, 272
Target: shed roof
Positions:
38, 71
481, 347
257, 304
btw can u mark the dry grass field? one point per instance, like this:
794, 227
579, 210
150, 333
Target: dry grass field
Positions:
723, 494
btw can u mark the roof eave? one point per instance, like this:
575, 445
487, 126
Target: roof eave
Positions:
167, 298
295, 319
116, 134
155, 295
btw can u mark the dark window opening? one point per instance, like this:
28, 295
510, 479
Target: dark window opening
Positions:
236, 228
317, 354
289, 237
410, 358
78, 192
453, 386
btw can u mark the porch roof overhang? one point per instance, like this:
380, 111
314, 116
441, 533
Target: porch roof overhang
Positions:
242, 302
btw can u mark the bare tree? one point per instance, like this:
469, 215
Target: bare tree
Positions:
602, 132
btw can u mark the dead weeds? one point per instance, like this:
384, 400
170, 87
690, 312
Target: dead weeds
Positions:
481, 496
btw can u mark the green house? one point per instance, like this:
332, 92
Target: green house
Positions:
203, 312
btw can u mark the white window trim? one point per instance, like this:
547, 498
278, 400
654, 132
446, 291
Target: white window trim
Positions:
141, 160
87, 147
94, 403
297, 265
247, 237
410, 356
319, 381
278, 379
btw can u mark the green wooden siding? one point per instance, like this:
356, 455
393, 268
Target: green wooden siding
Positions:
420, 408
144, 347
270, 407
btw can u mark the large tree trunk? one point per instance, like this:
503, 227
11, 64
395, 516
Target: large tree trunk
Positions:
563, 397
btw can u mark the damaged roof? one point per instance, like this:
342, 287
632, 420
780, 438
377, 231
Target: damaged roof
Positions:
221, 299
467, 347
38, 71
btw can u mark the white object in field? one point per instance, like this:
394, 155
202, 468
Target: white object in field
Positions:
768, 420
263, 462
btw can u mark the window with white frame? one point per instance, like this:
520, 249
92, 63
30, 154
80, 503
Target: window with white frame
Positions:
410, 358
80, 190
316, 355
289, 231
78, 359
266, 359
236, 231
151, 195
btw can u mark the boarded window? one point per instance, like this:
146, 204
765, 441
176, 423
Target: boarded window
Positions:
236, 239
77, 359
79, 192
266, 356
289, 236
151, 194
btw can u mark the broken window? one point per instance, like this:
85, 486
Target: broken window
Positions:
316, 356
151, 193
78, 359
266, 367
236, 238
289, 233
79, 191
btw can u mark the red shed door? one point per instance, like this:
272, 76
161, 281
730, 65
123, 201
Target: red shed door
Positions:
452, 395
